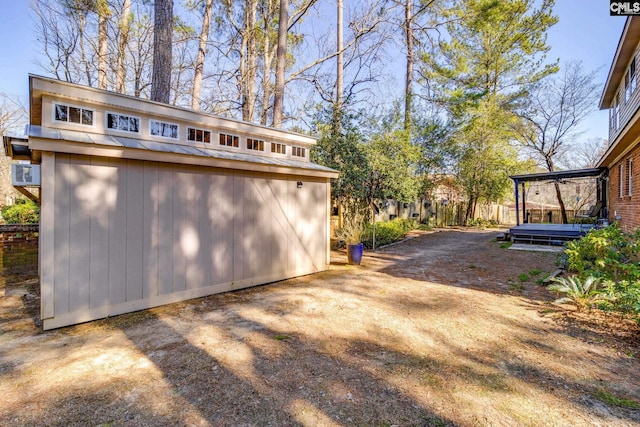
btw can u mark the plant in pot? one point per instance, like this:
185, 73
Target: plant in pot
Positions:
351, 234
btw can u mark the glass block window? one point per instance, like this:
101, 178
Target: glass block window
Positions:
163, 129
123, 122
198, 135
69, 114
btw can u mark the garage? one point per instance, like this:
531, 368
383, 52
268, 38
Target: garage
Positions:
145, 204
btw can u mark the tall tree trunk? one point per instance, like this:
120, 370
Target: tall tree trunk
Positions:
267, 64
123, 40
83, 53
556, 185
103, 13
408, 88
563, 209
196, 93
337, 113
163, 31
281, 58
249, 60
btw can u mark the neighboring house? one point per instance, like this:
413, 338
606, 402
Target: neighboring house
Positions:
144, 204
622, 158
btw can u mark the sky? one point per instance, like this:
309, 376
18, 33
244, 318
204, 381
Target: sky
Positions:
585, 32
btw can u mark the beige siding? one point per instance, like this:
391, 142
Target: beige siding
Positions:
629, 108
132, 234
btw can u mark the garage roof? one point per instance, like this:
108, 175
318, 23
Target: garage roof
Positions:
75, 142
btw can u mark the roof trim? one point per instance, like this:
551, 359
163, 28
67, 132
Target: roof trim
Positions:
73, 142
558, 175
39, 86
627, 44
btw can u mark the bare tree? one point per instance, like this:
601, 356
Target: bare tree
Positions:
162, 49
281, 58
13, 113
552, 114
196, 93
124, 27
102, 9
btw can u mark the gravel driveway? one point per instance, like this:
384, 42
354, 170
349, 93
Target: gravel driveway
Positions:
447, 328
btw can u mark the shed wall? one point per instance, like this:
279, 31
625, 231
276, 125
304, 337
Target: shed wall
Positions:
128, 234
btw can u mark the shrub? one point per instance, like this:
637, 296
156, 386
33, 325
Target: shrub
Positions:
611, 255
21, 213
482, 223
387, 232
583, 294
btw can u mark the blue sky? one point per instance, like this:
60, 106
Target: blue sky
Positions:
585, 32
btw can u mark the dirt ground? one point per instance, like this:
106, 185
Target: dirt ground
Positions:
447, 328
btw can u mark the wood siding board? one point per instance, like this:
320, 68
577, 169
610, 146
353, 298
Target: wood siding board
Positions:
283, 231
103, 187
191, 239
250, 242
223, 216
118, 235
47, 232
135, 230
238, 225
166, 182
266, 225
151, 230
205, 226
61, 235
178, 227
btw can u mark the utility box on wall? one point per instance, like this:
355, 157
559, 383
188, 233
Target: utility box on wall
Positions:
25, 175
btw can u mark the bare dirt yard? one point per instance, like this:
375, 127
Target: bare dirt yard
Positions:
447, 328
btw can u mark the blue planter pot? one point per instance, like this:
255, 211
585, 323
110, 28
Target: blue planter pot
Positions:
354, 253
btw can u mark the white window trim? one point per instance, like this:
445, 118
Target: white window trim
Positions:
53, 114
282, 144
230, 146
186, 136
170, 138
126, 132
264, 143
297, 147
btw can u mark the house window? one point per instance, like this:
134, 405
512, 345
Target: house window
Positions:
627, 90
298, 151
229, 140
278, 148
621, 180
123, 123
69, 114
198, 135
630, 78
255, 144
629, 177
163, 129
616, 119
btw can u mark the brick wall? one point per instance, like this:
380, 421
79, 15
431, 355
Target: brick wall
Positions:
625, 206
18, 249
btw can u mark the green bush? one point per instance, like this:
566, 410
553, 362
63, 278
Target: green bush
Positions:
21, 213
610, 255
482, 223
387, 232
